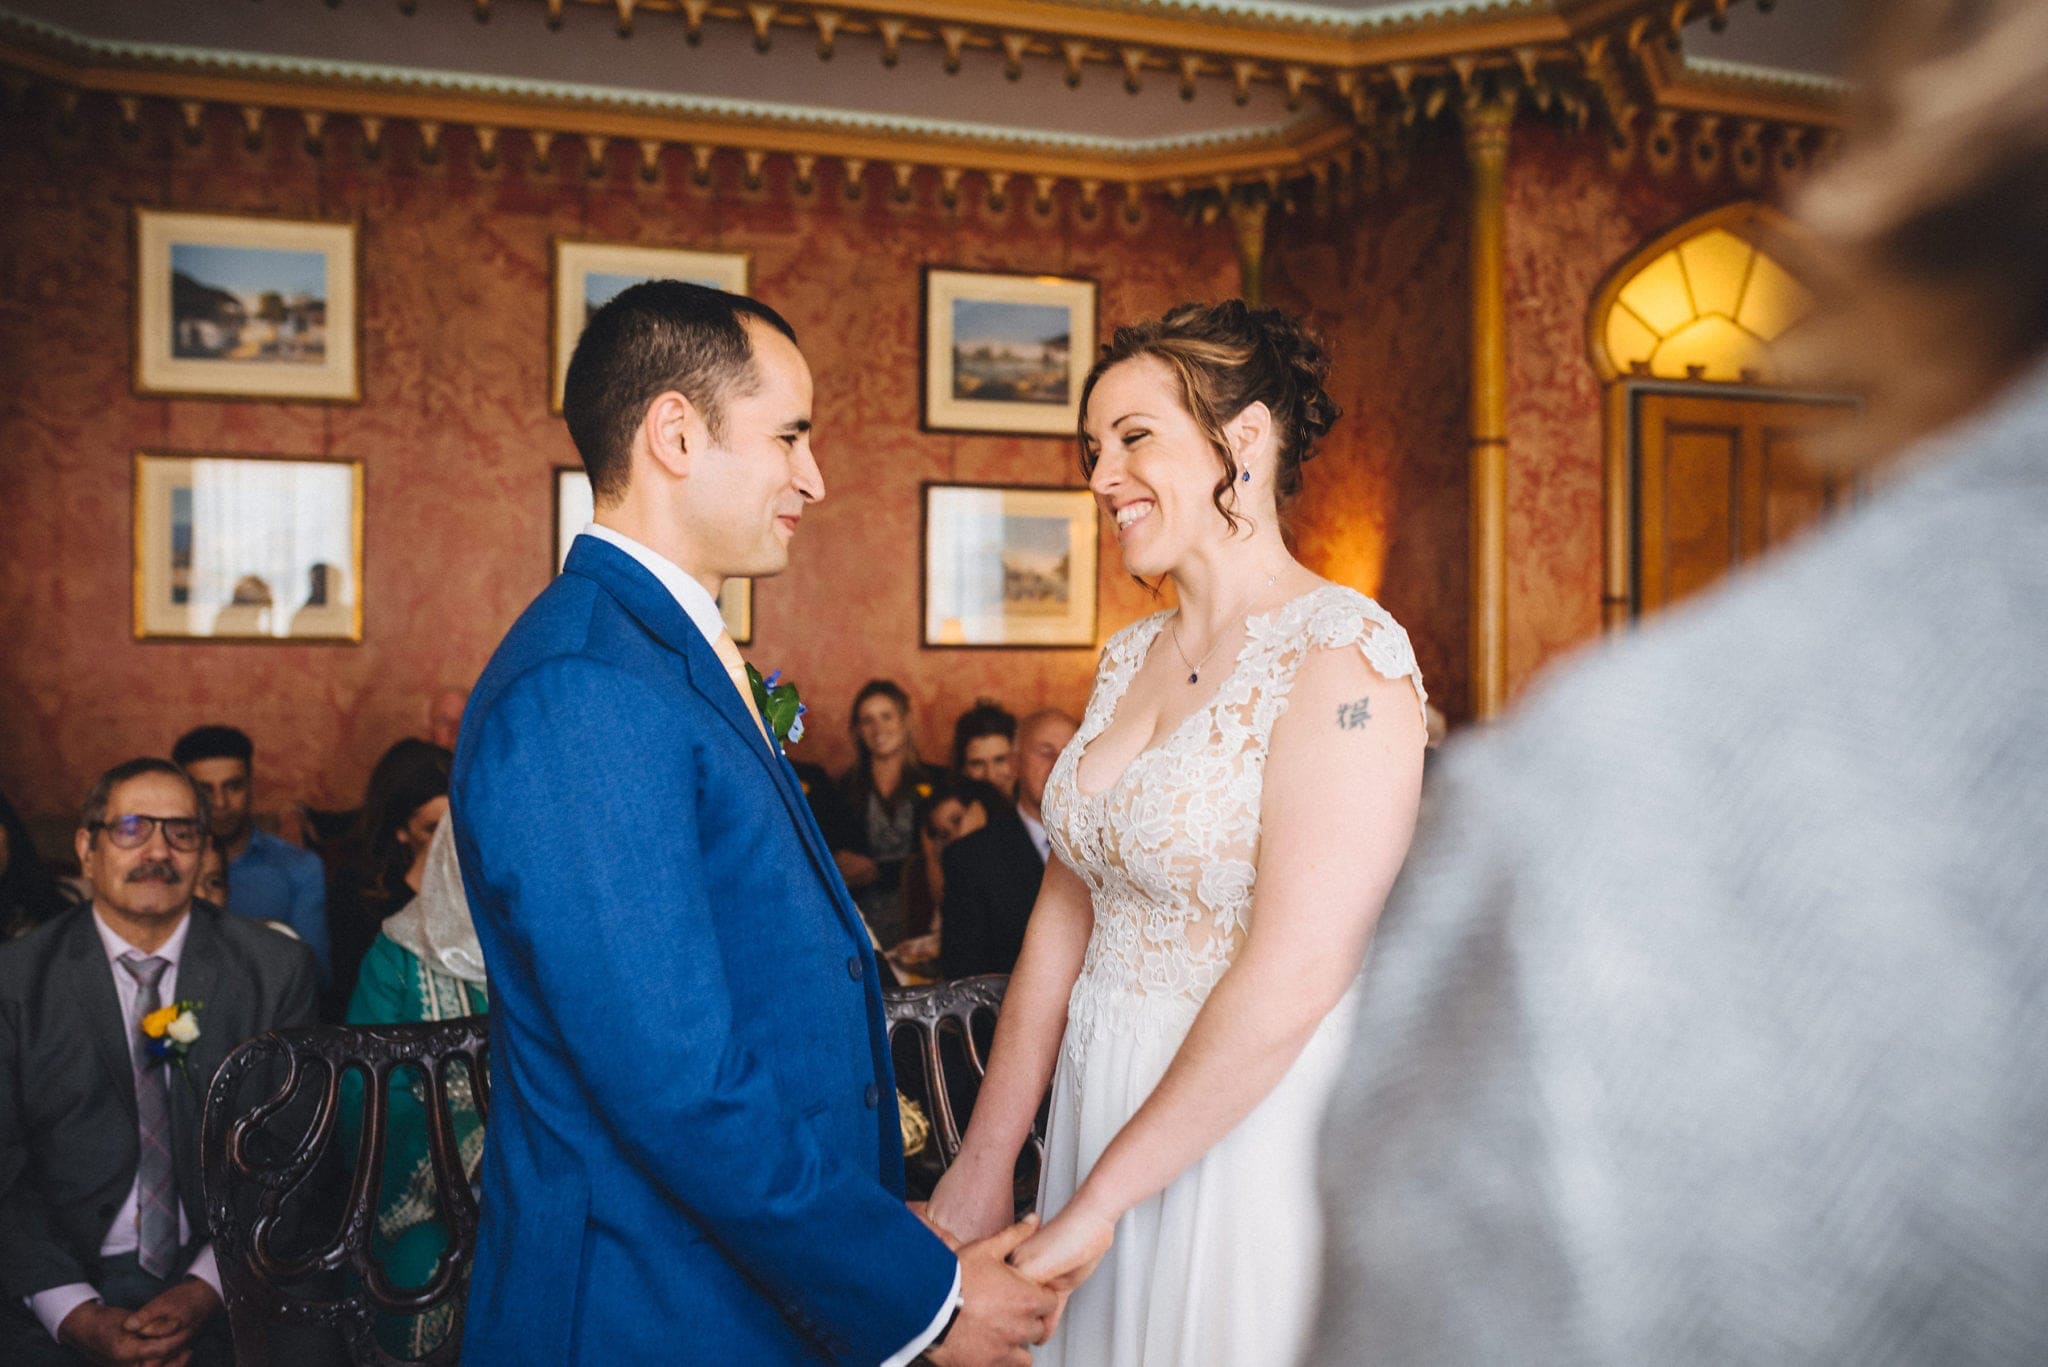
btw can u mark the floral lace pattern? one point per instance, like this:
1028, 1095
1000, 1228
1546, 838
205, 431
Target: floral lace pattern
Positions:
1169, 850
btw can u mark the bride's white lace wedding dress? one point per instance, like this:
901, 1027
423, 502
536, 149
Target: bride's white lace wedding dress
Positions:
1221, 1268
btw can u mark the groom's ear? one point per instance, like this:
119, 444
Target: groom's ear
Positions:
671, 432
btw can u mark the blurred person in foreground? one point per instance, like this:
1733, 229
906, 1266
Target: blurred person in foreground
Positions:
1706, 1024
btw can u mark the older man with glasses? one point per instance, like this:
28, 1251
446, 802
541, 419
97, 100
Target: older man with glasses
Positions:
113, 1018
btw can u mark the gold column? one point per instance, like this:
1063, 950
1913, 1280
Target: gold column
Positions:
1248, 231
1486, 147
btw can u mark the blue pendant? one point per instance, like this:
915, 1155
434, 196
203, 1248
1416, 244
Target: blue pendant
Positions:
1194, 678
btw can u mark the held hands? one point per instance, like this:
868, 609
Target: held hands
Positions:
1061, 1255
157, 1335
1000, 1311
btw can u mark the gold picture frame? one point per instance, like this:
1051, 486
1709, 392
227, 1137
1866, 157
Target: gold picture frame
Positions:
232, 547
1008, 566
246, 307
573, 509
586, 274
1005, 352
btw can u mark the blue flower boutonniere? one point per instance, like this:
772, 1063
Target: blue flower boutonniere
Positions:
169, 1032
780, 707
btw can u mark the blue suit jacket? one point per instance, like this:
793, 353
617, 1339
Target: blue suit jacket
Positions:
693, 1151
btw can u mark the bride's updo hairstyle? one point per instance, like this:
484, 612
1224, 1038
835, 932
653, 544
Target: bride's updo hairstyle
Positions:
1226, 357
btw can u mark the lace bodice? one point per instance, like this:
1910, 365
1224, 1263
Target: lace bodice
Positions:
1170, 849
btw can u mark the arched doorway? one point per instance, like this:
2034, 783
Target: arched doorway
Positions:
1705, 442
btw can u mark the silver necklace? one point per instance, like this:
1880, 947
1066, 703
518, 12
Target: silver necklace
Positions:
1195, 666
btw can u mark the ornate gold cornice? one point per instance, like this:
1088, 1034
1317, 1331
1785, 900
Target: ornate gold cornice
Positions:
1361, 87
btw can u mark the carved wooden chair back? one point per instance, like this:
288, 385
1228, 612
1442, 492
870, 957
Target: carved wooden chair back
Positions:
292, 1210
946, 1026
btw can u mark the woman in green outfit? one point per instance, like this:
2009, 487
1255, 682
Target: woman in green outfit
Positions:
425, 965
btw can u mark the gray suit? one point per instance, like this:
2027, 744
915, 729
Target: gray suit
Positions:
1709, 1022
68, 1133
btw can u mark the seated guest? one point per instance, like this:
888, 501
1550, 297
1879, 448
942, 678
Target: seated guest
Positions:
444, 716
828, 804
29, 896
274, 880
385, 857
103, 1249
881, 792
956, 807
212, 883
983, 739
426, 965
992, 876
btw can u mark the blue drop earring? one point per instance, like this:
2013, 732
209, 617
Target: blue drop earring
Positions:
1247, 477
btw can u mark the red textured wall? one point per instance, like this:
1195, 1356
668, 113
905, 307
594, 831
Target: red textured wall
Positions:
1571, 220
458, 444
1384, 506
455, 435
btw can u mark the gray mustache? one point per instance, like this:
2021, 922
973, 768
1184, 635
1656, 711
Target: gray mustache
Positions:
155, 871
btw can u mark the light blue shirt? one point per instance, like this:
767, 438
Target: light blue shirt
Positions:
275, 880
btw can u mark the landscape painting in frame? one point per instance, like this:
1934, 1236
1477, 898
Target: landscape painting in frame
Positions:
235, 306
1009, 565
247, 548
572, 514
1005, 353
589, 274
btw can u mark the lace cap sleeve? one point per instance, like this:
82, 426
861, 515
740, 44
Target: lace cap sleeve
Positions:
1345, 616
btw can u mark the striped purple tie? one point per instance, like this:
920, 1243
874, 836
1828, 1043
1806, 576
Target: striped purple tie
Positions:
156, 1182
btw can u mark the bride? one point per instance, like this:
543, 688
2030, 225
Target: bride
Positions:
1228, 821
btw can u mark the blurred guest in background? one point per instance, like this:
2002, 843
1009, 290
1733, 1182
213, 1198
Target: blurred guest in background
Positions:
273, 880
444, 716
29, 895
991, 876
381, 865
212, 885
425, 965
956, 807
983, 739
881, 792
1706, 1024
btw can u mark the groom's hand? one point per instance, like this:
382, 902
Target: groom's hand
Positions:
1000, 1311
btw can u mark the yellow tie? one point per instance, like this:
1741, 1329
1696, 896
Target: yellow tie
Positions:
728, 652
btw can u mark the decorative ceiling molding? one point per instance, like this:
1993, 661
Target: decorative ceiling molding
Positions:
1363, 83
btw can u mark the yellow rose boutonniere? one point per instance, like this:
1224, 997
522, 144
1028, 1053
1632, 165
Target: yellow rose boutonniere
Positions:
170, 1031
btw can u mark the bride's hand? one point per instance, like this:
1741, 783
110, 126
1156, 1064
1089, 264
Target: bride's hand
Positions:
968, 1208
1066, 1250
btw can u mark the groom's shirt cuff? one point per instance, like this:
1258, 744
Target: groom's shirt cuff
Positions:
932, 1331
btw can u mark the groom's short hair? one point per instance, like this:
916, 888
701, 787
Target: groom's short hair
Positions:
654, 337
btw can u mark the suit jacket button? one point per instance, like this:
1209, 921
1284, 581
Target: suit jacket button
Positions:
873, 1097
853, 968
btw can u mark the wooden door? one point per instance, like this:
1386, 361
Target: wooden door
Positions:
1720, 481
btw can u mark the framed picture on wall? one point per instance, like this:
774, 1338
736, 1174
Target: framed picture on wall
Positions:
1009, 565
572, 514
247, 548
237, 306
1005, 353
588, 274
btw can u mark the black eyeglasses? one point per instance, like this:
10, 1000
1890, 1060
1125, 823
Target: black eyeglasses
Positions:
183, 833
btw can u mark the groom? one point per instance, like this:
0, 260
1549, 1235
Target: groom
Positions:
694, 1151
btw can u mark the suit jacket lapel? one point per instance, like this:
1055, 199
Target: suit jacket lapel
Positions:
91, 985
220, 1018
641, 594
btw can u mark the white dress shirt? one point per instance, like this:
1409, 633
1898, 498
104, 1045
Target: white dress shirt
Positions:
1035, 828
124, 1236
702, 610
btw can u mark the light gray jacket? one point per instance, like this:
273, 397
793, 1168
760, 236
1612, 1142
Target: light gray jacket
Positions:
1709, 1023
